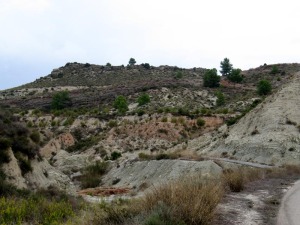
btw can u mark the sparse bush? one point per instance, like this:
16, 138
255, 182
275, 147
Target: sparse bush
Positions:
91, 176
264, 87
174, 120
35, 137
274, 70
115, 155
143, 99
211, 78
121, 104
112, 123
60, 100
200, 122
140, 112
146, 66
179, 75
29, 124
235, 76
220, 98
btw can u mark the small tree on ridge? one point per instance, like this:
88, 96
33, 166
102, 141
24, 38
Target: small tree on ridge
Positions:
226, 67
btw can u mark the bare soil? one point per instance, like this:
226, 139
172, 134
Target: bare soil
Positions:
257, 204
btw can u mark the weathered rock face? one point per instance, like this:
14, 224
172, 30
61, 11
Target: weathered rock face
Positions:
270, 133
13, 172
144, 174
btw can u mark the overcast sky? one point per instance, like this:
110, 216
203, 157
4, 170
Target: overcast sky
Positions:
40, 35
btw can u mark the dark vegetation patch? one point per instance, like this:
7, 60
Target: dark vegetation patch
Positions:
22, 140
91, 175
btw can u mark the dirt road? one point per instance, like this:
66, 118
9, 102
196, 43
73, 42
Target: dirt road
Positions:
289, 213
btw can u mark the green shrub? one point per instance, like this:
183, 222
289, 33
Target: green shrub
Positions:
232, 120
220, 98
140, 112
211, 78
35, 137
274, 70
112, 123
91, 175
121, 104
200, 122
60, 100
115, 155
146, 66
29, 124
179, 75
264, 87
143, 99
235, 76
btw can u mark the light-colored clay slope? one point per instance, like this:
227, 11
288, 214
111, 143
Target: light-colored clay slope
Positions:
270, 133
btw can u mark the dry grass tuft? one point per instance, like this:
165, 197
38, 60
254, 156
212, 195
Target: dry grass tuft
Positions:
237, 179
186, 201
234, 179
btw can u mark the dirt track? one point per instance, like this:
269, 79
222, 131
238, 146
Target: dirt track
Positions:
289, 213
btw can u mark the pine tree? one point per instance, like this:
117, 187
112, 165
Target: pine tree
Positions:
226, 67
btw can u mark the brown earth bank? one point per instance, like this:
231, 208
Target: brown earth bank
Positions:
257, 204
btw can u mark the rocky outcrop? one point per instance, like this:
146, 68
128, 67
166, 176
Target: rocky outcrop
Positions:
270, 133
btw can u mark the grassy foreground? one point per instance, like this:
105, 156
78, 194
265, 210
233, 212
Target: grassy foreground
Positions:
188, 201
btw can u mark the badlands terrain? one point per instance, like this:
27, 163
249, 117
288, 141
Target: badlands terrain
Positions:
113, 135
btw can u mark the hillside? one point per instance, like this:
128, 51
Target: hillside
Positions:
269, 133
90, 148
97, 86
